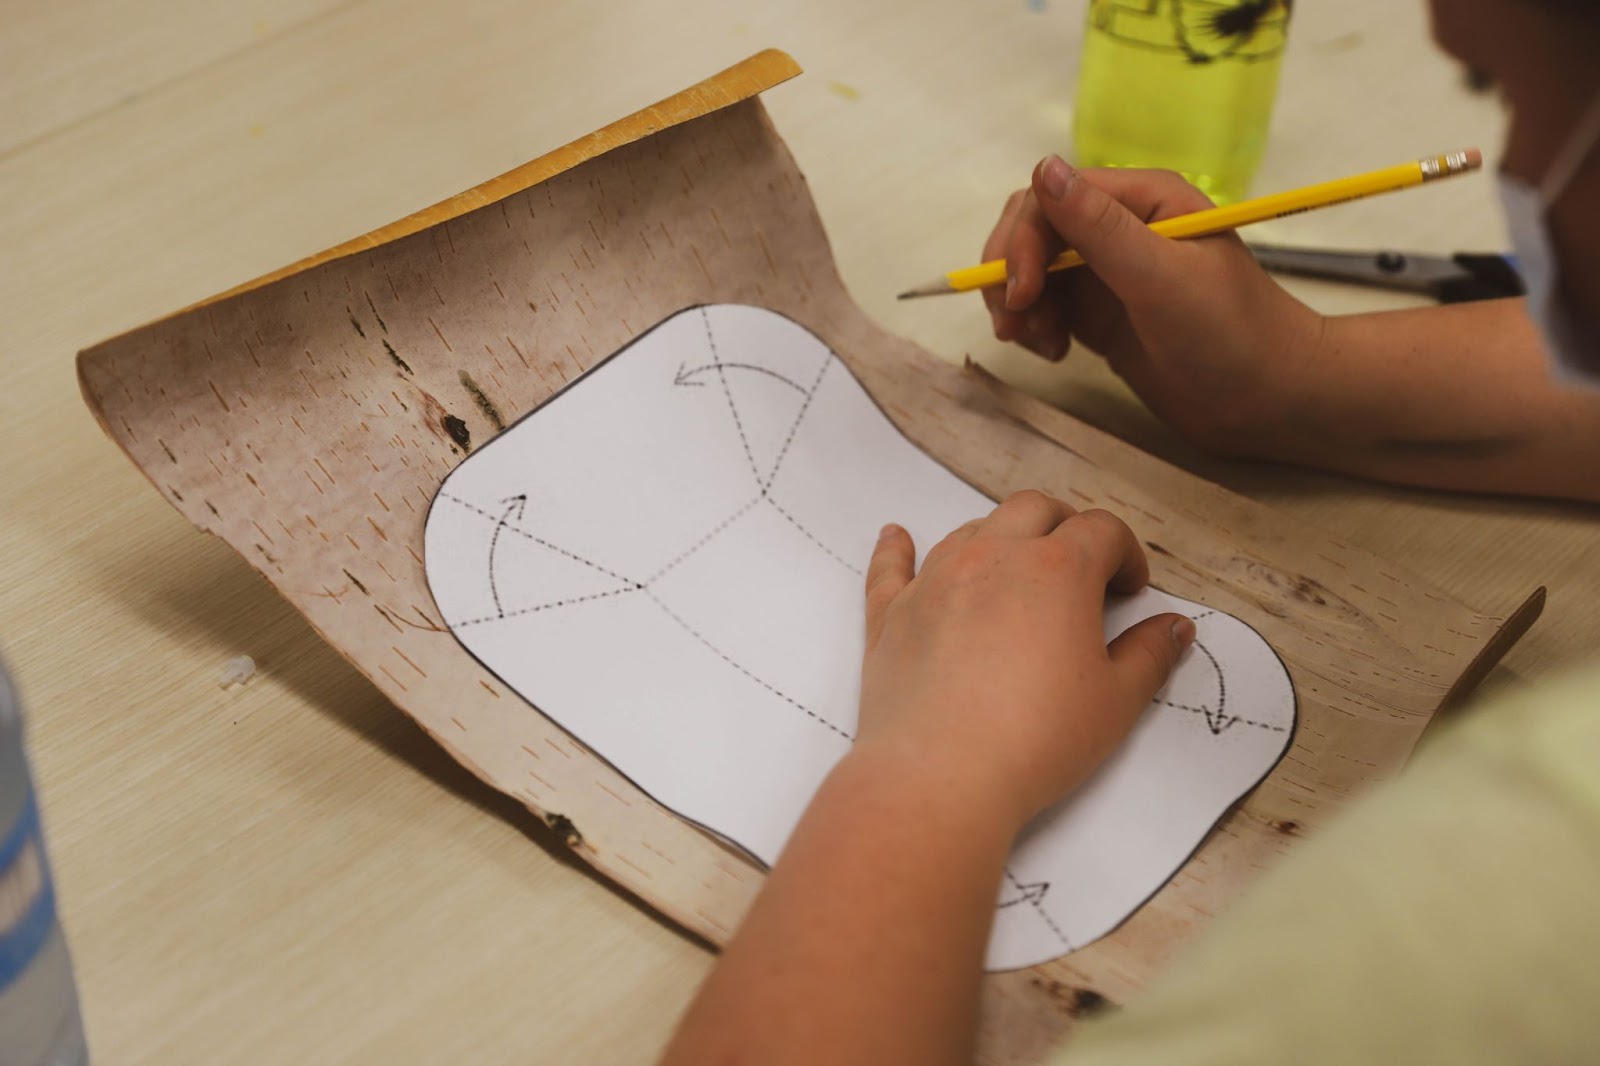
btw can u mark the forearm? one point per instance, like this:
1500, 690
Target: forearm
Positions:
866, 944
1454, 397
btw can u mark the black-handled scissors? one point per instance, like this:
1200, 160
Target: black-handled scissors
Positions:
1449, 279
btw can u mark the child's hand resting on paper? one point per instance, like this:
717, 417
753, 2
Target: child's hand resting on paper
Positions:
1195, 327
987, 672
987, 693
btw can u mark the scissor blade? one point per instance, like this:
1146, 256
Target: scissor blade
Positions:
1390, 270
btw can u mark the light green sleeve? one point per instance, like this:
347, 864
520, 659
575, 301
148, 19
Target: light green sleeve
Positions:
1452, 916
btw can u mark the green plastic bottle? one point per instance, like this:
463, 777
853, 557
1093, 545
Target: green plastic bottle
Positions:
1182, 84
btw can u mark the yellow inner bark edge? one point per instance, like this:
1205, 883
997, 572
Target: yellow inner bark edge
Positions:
741, 81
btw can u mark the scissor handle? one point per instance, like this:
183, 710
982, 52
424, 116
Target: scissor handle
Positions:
1488, 277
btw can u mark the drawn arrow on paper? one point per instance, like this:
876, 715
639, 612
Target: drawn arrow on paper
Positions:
1216, 721
685, 377
1032, 892
516, 504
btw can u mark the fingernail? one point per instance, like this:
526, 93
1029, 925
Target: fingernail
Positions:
1183, 633
1060, 351
1055, 175
1011, 290
891, 529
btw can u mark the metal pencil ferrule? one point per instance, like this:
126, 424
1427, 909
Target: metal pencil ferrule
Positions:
1439, 166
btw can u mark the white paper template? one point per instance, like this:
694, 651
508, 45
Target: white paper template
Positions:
667, 559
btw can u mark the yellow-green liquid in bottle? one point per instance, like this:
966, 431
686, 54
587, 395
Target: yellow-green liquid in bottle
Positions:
1183, 84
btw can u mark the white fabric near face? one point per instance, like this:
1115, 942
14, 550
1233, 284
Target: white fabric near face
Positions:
1574, 352
1572, 362
667, 560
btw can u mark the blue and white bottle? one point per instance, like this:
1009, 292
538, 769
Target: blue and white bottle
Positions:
39, 1020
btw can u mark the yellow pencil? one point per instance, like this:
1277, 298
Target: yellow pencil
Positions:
1245, 213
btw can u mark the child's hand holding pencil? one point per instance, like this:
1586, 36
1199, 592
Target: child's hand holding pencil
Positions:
1195, 327
1455, 396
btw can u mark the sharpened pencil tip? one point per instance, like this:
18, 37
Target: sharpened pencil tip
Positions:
932, 288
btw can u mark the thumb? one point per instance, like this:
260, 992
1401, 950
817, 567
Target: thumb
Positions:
893, 563
1113, 241
1144, 656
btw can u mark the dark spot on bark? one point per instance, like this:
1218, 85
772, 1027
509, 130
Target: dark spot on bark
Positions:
1287, 826
1076, 1002
213, 509
458, 431
266, 555
357, 583
359, 331
479, 397
1290, 586
1309, 590
533, 307
564, 829
1088, 1003
166, 449
442, 424
1158, 549
394, 357
375, 314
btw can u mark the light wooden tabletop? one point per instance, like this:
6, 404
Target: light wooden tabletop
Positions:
291, 871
